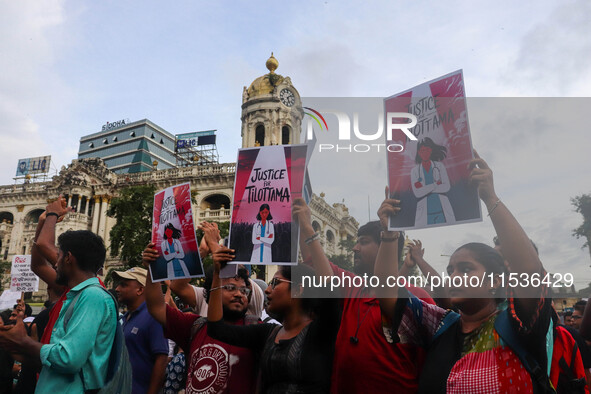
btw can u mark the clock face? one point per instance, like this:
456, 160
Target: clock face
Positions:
287, 97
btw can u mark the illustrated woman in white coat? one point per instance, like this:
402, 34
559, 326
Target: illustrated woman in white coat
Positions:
430, 182
173, 252
263, 235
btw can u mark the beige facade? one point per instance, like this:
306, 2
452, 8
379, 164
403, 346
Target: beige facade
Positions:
90, 186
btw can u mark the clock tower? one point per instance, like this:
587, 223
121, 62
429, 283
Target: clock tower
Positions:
271, 110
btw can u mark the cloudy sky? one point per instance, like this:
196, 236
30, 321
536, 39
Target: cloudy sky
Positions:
69, 67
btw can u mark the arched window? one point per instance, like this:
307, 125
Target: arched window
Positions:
33, 216
285, 135
6, 216
259, 135
316, 226
330, 237
215, 201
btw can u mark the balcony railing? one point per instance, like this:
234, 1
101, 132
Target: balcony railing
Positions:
215, 214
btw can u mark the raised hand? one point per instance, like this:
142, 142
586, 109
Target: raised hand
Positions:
408, 261
416, 251
149, 255
221, 257
59, 207
389, 207
301, 213
482, 176
211, 237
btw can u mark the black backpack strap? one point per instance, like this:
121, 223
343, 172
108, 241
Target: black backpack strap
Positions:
567, 380
505, 330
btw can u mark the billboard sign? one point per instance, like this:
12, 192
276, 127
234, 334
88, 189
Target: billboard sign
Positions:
198, 138
33, 165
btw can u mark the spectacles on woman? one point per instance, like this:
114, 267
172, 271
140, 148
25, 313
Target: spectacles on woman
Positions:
275, 281
245, 291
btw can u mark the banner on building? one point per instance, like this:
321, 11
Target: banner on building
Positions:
267, 180
430, 175
22, 279
197, 138
33, 165
173, 234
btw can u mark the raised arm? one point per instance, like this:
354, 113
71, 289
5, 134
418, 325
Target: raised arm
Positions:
215, 310
253, 336
44, 252
302, 214
183, 289
387, 258
211, 236
516, 246
153, 291
416, 253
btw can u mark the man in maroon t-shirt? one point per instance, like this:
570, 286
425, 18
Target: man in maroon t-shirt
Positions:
212, 366
364, 361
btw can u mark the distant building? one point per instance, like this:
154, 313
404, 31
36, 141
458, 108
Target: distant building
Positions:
121, 156
130, 147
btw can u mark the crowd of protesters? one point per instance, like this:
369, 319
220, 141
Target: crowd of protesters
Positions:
241, 335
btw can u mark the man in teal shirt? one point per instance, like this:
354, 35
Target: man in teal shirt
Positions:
76, 359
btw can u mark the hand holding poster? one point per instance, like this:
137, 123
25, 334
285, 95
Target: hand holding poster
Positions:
430, 176
267, 180
22, 279
173, 234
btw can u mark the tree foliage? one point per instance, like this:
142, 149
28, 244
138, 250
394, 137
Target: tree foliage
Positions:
345, 259
132, 232
582, 205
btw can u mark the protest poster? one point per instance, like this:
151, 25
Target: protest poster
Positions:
267, 180
430, 175
173, 234
22, 279
9, 298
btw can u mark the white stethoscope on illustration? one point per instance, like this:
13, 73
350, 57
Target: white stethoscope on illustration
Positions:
436, 175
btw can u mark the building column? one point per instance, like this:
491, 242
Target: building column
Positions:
69, 200
95, 214
87, 206
103, 217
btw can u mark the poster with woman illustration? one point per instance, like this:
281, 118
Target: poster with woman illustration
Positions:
173, 233
430, 175
267, 180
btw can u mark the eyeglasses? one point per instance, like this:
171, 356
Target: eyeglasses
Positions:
245, 291
275, 281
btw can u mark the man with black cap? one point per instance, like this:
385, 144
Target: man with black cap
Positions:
147, 347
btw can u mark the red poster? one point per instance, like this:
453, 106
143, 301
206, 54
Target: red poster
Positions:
267, 180
430, 176
173, 233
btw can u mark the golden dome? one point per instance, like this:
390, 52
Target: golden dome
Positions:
272, 64
266, 84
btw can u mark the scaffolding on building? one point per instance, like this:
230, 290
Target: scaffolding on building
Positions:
196, 149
